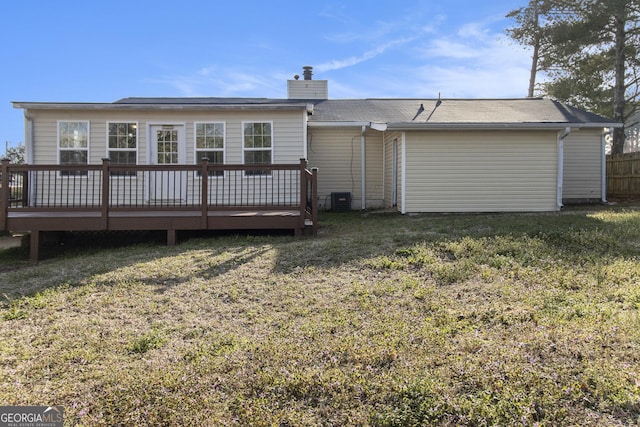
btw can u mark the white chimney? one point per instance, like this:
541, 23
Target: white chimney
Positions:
307, 88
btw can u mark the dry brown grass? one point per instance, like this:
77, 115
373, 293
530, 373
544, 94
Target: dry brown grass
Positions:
381, 320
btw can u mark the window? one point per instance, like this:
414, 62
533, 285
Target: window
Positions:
73, 146
210, 144
122, 143
258, 145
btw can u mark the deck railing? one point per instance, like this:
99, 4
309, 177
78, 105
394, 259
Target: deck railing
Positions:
111, 187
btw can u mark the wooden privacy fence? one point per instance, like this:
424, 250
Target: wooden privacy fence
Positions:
623, 175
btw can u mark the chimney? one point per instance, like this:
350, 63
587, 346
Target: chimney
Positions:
308, 88
307, 72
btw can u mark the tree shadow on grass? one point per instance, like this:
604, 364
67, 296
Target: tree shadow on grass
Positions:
572, 236
205, 271
74, 259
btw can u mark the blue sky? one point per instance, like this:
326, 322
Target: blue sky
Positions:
101, 51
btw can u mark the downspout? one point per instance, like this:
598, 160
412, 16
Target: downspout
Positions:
28, 149
363, 167
403, 173
561, 137
603, 172
305, 130
28, 138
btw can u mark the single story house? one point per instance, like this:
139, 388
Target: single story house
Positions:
419, 155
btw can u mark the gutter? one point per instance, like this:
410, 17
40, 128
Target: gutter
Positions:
379, 126
156, 107
498, 126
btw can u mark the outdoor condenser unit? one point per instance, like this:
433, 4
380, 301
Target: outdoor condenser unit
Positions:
341, 202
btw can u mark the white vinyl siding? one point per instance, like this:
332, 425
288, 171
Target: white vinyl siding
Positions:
374, 147
390, 137
336, 152
288, 132
288, 136
481, 171
582, 178
307, 89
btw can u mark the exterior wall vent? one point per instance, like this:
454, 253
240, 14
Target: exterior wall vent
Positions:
341, 202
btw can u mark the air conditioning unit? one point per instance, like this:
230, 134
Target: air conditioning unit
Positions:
341, 202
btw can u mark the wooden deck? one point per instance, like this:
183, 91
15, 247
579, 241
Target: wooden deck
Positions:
40, 199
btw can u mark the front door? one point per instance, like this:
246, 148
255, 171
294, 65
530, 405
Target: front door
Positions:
167, 148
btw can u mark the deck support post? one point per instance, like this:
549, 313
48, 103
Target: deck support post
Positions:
34, 245
204, 207
105, 193
303, 195
171, 237
4, 194
314, 201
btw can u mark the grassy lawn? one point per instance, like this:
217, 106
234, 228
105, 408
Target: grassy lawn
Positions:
381, 320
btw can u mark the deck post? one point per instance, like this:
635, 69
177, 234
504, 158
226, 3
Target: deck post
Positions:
314, 201
204, 200
4, 194
303, 195
105, 193
171, 237
34, 245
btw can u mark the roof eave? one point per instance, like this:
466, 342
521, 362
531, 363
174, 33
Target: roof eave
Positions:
156, 107
380, 126
403, 126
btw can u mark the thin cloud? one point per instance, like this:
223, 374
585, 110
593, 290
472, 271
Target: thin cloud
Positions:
475, 61
474, 82
219, 82
338, 64
469, 61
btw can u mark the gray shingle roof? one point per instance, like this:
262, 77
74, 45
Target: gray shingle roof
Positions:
398, 112
394, 113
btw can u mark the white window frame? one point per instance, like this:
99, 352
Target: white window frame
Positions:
109, 149
245, 149
196, 150
61, 149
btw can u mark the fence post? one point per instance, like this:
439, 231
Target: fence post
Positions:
204, 199
4, 194
105, 193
